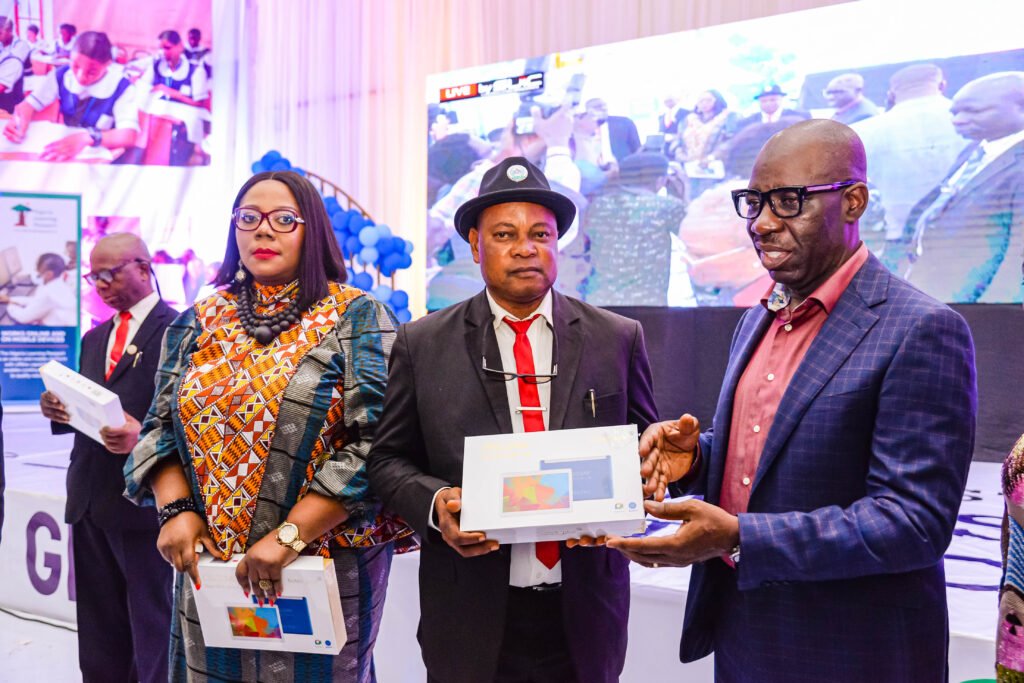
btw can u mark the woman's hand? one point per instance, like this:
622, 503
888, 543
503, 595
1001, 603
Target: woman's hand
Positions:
66, 148
263, 562
15, 129
177, 543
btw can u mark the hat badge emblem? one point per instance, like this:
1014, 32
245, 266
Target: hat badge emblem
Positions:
517, 173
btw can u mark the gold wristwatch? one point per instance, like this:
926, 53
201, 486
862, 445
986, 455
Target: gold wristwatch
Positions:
288, 536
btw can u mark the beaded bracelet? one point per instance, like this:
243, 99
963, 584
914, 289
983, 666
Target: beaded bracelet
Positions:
175, 508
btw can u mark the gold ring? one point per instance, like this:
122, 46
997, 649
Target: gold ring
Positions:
266, 584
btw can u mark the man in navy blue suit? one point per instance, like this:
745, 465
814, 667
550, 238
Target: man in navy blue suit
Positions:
837, 459
122, 584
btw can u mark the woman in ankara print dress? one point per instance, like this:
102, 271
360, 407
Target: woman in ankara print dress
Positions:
267, 399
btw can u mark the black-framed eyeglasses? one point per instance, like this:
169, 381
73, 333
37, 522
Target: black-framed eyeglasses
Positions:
785, 202
279, 220
107, 275
536, 378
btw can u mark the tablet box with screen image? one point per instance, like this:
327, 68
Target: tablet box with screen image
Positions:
553, 485
306, 618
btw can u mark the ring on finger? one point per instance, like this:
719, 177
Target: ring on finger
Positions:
266, 584
654, 565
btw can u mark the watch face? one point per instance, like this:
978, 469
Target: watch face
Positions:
288, 533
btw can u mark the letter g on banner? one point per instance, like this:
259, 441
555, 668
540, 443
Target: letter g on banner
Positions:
51, 561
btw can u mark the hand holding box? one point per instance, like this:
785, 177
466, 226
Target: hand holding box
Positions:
90, 405
306, 618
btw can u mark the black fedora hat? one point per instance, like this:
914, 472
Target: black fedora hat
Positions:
514, 180
772, 89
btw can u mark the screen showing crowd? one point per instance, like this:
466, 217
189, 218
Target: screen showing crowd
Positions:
135, 92
660, 130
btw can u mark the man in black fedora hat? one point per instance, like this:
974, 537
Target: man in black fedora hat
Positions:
516, 357
770, 100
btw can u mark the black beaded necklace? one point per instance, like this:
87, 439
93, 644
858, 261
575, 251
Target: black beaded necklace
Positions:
264, 328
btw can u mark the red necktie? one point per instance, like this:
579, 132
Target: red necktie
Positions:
533, 420
119, 339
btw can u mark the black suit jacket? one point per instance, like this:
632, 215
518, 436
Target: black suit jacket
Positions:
95, 477
971, 252
438, 395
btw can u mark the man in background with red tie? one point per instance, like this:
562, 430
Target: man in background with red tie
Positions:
122, 585
516, 357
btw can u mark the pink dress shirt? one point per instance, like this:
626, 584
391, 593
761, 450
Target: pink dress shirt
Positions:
767, 375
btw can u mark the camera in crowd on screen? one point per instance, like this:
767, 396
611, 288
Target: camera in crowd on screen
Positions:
527, 101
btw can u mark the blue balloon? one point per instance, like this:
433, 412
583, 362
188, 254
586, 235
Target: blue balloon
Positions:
398, 245
384, 231
382, 293
403, 315
363, 281
399, 299
405, 262
384, 246
355, 221
408, 246
258, 167
352, 246
282, 165
332, 205
389, 264
368, 256
300, 171
339, 221
270, 157
368, 221
368, 236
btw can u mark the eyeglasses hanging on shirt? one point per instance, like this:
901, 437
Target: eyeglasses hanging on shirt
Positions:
529, 378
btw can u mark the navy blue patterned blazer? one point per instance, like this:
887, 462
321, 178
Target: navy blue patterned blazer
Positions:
854, 500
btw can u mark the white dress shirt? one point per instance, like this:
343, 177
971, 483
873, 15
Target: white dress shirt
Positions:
526, 569
139, 311
996, 148
990, 151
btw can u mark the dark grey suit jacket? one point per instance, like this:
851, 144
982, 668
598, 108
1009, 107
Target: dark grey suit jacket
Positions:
971, 252
438, 395
95, 477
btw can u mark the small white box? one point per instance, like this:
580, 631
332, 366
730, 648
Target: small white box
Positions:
90, 405
550, 486
306, 618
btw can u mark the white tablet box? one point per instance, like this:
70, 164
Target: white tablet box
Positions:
306, 618
90, 405
550, 486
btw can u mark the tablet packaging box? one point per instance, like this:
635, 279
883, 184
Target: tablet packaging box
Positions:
306, 618
550, 486
91, 406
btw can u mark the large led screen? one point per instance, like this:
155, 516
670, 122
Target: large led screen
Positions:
649, 136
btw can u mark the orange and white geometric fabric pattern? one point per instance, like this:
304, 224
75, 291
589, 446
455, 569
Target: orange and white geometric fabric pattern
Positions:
230, 396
